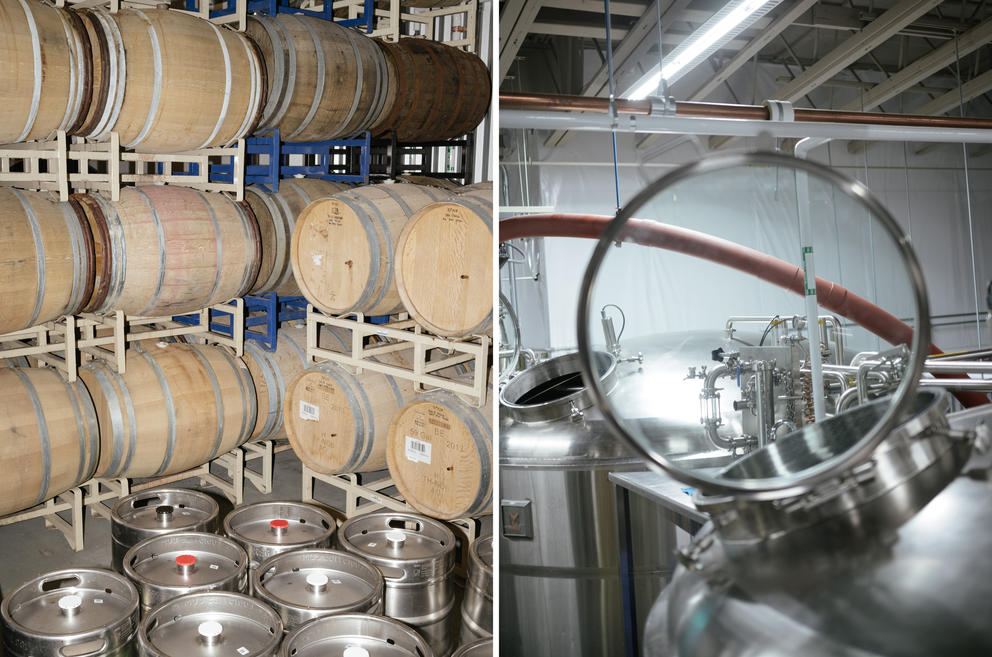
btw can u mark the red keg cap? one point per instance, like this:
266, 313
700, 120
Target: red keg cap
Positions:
186, 560
279, 524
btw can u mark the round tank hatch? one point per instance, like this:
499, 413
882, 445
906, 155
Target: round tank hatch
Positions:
767, 238
554, 389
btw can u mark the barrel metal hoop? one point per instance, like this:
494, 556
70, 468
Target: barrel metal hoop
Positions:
472, 418
46, 446
318, 94
218, 400
116, 416
157, 87
36, 51
170, 411
118, 74
92, 423
268, 373
285, 72
80, 256
39, 253
289, 88
75, 95
274, 209
118, 271
73, 393
359, 80
248, 399
219, 271
255, 97
286, 217
160, 232
379, 98
228, 81
354, 404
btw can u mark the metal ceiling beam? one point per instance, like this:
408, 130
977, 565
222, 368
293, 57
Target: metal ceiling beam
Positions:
596, 6
853, 48
514, 24
945, 103
923, 68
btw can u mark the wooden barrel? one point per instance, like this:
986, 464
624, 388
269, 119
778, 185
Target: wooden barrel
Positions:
343, 246
276, 215
431, 4
271, 372
44, 71
444, 269
485, 186
440, 454
172, 250
325, 81
168, 82
176, 407
429, 181
436, 91
49, 434
46, 260
337, 421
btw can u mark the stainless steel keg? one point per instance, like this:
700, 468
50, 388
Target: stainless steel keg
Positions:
416, 556
165, 567
477, 605
78, 611
266, 529
159, 511
305, 584
480, 648
354, 635
210, 624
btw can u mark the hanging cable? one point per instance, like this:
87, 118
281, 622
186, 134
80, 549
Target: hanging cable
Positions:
662, 82
967, 192
623, 317
613, 107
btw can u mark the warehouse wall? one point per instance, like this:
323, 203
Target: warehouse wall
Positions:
665, 292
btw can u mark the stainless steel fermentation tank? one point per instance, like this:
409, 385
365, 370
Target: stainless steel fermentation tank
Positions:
560, 582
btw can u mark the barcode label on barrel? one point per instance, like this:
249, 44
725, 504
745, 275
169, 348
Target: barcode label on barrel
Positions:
417, 450
309, 411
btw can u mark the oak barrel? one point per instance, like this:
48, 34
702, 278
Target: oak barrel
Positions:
440, 455
484, 186
49, 439
271, 372
343, 246
435, 91
444, 271
46, 260
176, 407
429, 181
325, 81
276, 215
172, 250
169, 82
43, 71
337, 421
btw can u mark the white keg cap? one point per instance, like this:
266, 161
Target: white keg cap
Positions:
396, 537
210, 629
355, 651
70, 602
317, 579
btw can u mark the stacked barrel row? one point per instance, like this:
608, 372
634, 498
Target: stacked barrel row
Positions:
171, 82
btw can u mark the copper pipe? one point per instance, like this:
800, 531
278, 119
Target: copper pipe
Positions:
831, 296
727, 111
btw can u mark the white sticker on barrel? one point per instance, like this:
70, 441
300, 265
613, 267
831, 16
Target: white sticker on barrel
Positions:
318, 258
418, 450
309, 411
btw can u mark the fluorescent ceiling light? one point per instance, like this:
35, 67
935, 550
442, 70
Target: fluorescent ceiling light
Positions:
727, 23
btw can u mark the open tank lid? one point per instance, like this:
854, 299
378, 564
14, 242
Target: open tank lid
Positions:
784, 481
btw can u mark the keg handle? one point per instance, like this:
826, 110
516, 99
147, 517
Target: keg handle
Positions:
92, 647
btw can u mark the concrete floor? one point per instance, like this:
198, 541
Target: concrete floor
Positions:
29, 549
